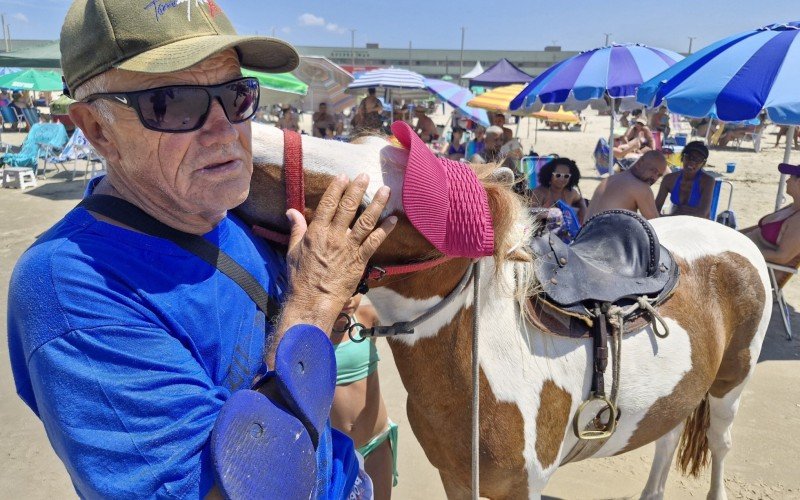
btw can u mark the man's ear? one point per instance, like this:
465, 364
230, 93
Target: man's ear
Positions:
85, 117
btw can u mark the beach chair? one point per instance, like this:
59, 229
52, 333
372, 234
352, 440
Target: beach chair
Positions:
77, 148
529, 166
10, 117
602, 151
40, 141
31, 116
778, 276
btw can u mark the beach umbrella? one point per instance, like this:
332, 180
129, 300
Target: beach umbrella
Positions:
277, 88
32, 79
559, 116
327, 82
606, 73
281, 82
457, 97
498, 99
389, 79
735, 79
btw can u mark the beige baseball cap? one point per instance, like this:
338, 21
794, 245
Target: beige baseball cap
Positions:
158, 36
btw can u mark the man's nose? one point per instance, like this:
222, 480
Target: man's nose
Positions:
217, 127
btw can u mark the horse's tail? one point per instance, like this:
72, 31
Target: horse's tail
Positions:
693, 451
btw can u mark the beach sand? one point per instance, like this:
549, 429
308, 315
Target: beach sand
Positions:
762, 464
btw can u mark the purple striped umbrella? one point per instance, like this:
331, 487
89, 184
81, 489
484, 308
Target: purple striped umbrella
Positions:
613, 72
458, 97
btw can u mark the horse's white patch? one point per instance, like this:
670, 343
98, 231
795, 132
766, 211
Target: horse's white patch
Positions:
385, 164
691, 238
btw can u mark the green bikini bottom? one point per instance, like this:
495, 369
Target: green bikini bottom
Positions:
389, 433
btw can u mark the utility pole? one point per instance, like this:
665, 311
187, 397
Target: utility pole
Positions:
608, 35
273, 32
691, 39
353, 49
461, 64
6, 34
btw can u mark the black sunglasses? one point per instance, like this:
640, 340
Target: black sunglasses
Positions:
184, 108
559, 175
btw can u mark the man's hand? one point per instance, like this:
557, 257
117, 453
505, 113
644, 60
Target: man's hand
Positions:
326, 259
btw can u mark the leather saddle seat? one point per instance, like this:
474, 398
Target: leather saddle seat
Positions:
615, 258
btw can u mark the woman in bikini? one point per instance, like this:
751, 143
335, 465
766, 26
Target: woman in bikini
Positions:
455, 149
558, 180
358, 409
777, 235
690, 190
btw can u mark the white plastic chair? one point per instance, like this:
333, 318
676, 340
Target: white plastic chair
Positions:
778, 292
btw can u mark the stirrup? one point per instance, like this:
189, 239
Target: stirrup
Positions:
601, 431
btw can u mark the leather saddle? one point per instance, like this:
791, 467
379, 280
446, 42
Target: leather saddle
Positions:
615, 259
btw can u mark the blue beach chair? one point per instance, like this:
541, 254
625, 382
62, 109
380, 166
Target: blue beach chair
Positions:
531, 165
40, 142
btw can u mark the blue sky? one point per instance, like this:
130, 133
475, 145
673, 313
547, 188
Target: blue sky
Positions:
490, 24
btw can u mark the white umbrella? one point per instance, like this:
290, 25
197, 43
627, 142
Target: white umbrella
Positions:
327, 82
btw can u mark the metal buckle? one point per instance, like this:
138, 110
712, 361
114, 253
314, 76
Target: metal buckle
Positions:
601, 430
381, 273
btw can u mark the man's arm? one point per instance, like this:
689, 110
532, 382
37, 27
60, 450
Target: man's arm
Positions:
663, 191
646, 203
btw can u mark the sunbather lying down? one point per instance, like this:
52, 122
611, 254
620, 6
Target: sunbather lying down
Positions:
631, 149
777, 235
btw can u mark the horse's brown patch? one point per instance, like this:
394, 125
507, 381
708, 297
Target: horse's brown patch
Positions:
437, 375
551, 420
719, 302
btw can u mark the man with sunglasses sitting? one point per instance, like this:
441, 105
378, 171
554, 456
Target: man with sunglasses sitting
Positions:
153, 370
690, 190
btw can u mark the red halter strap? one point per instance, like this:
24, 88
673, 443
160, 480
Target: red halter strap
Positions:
295, 198
293, 171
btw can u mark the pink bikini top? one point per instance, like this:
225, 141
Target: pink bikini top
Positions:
771, 230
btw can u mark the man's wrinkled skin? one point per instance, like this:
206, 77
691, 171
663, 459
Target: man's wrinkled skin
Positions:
190, 180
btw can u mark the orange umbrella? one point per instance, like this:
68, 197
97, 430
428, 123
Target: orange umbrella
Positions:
559, 116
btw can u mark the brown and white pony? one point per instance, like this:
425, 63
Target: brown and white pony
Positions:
531, 383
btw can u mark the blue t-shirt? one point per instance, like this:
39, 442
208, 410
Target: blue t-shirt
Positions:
127, 346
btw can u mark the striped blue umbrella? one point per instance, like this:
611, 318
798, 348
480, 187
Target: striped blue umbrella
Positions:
458, 97
735, 78
615, 71
390, 78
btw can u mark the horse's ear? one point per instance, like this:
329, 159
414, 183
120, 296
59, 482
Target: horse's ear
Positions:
503, 175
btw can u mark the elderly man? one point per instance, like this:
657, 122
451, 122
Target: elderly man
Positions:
630, 190
138, 354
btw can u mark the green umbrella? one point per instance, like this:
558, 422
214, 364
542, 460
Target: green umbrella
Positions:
32, 79
282, 82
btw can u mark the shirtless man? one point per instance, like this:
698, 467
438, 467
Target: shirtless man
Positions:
630, 190
425, 127
499, 120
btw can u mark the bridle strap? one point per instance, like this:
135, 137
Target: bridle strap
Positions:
378, 272
293, 171
295, 198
